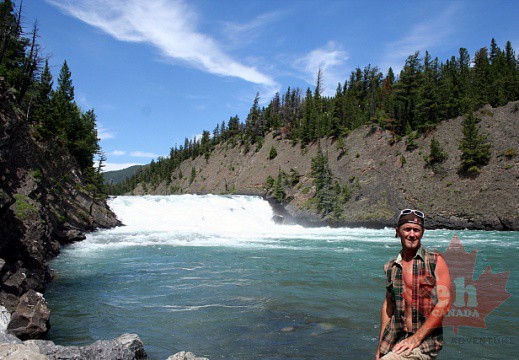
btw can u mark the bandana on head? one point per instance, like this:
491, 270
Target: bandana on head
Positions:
409, 218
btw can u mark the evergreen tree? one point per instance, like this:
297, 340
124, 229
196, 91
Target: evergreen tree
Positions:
323, 180
272, 153
253, 127
511, 73
482, 78
498, 70
18, 54
437, 156
233, 127
41, 108
65, 117
273, 114
83, 142
427, 107
407, 91
475, 147
307, 129
279, 189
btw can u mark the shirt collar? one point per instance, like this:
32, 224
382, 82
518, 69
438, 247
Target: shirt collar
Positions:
419, 253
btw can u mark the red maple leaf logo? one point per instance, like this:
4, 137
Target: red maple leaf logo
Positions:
471, 300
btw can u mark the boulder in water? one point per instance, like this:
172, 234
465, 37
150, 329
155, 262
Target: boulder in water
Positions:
278, 219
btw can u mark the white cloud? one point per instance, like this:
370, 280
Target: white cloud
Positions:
245, 33
143, 154
423, 36
103, 133
169, 26
117, 153
81, 99
331, 59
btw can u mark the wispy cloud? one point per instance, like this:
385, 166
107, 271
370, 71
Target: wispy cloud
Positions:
331, 59
104, 134
169, 26
244, 33
143, 154
138, 153
425, 35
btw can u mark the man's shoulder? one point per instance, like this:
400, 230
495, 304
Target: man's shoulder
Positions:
431, 254
390, 263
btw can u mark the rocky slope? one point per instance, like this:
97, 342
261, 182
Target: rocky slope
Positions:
44, 203
382, 174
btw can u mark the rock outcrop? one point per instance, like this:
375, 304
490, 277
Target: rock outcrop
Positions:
383, 174
44, 203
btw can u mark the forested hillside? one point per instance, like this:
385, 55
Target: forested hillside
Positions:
409, 110
49, 109
426, 92
116, 176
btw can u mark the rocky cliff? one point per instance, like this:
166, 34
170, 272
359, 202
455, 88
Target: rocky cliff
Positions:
382, 172
44, 203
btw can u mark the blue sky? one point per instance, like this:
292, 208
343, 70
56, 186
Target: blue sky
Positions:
158, 71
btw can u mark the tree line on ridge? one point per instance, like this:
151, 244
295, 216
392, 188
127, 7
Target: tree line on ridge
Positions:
426, 92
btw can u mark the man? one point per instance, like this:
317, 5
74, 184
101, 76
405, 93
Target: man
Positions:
417, 296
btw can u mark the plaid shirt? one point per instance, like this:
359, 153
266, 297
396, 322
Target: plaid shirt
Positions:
424, 300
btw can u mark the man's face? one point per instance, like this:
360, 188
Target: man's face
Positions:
410, 235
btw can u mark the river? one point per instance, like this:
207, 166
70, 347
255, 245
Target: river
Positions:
215, 275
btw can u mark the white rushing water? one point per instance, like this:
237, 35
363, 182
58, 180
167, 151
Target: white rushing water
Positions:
209, 220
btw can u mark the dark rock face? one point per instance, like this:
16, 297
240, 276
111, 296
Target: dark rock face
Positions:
44, 203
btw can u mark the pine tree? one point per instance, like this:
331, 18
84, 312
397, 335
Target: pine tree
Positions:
253, 127
307, 131
427, 107
41, 107
18, 54
65, 117
407, 90
279, 188
323, 180
272, 153
482, 78
83, 143
475, 147
511, 76
233, 126
437, 156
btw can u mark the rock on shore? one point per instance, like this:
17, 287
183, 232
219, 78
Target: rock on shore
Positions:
125, 347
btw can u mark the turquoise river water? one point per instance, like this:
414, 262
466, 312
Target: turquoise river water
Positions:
215, 276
